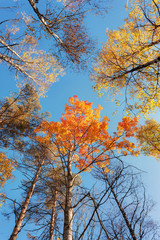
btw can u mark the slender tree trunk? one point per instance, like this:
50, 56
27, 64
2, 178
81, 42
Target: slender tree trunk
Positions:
122, 211
53, 216
18, 67
68, 211
10, 49
21, 217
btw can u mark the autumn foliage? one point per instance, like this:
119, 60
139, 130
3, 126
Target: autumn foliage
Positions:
129, 60
149, 138
6, 168
81, 135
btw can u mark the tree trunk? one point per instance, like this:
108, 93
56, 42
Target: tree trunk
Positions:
21, 217
18, 67
68, 211
53, 216
42, 19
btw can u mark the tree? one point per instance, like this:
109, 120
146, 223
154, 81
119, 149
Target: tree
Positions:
130, 58
62, 23
35, 158
124, 212
65, 25
19, 116
47, 204
80, 141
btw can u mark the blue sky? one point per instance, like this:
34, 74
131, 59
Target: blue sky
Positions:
78, 83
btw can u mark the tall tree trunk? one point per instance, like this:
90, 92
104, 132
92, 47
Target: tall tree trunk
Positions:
133, 235
68, 211
53, 216
21, 217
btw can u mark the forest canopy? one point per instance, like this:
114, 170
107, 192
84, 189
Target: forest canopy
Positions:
79, 172
128, 62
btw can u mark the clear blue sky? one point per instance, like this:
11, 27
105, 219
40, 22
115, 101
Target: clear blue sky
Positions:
80, 84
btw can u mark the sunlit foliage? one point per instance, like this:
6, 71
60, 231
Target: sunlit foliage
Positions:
83, 137
149, 137
130, 58
19, 116
60, 23
6, 168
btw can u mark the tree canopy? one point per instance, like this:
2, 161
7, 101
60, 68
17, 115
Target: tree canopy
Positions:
85, 138
19, 116
74, 172
60, 23
130, 58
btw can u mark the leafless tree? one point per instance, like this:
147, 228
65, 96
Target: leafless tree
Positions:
125, 212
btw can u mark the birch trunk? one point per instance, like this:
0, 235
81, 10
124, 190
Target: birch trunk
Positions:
68, 211
42, 19
53, 216
21, 217
18, 67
